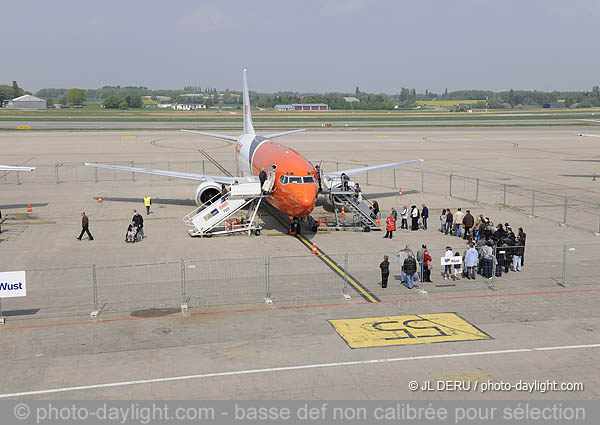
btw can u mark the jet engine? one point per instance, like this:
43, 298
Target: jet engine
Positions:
207, 193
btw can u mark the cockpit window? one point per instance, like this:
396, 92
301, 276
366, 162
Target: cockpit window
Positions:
283, 179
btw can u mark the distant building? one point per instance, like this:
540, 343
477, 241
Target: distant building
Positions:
146, 98
310, 107
283, 107
187, 107
163, 98
351, 99
26, 102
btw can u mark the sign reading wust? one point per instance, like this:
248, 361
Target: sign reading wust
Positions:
12, 284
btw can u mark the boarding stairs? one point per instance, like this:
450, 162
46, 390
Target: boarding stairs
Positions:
217, 218
360, 209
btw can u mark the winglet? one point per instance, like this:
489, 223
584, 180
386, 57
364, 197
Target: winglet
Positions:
248, 127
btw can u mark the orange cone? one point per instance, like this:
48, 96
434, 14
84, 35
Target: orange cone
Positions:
99, 198
343, 214
29, 208
314, 248
400, 192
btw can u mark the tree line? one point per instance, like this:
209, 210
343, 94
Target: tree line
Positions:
404, 98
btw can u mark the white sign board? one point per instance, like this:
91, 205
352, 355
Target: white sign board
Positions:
450, 261
12, 284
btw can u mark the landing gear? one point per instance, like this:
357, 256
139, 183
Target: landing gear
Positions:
312, 224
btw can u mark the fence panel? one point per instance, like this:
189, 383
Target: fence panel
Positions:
305, 277
122, 288
224, 281
53, 292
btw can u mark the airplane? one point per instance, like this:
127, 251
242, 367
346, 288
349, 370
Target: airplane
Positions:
295, 191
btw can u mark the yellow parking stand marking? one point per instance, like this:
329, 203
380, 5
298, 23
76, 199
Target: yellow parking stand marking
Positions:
23, 127
408, 329
128, 137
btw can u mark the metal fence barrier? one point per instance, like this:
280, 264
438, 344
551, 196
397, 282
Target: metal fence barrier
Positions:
299, 279
564, 210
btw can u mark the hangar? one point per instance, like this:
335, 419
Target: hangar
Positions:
26, 102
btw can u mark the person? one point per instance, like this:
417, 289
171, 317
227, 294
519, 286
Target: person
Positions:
449, 220
262, 177
448, 267
501, 258
130, 236
410, 268
403, 255
223, 192
85, 227
424, 215
458, 268
390, 226
427, 266
420, 260
487, 252
138, 220
468, 222
385, 271
357, 193
414, 214
443, 220
345, 182
0, 221
517, 255
523, 237
375, 209
471, 259
404, 216
318, 175
147, 203
395, 215
458, 219
478, 227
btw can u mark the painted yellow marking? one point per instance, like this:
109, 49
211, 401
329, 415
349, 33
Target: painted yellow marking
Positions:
128, 137
474, 135
407, 329
334, 266
23, 127
383, 137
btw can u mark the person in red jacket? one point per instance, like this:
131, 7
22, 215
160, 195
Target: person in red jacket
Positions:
390, 226
427, 266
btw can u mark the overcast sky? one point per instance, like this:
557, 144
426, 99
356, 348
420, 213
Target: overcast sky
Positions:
303, 45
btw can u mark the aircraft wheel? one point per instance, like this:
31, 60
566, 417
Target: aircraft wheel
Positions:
257, 232
208, 235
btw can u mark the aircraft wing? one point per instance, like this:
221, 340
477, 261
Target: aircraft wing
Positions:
176, 174
219, 136
362, 170
11, 168
283, 133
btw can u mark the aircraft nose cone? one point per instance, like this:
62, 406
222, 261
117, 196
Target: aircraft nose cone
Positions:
305, 199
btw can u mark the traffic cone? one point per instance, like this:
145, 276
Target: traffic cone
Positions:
400, 192
314, 248
29, 208
99, 198
343, 214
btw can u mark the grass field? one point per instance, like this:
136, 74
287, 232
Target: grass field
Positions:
300, 118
